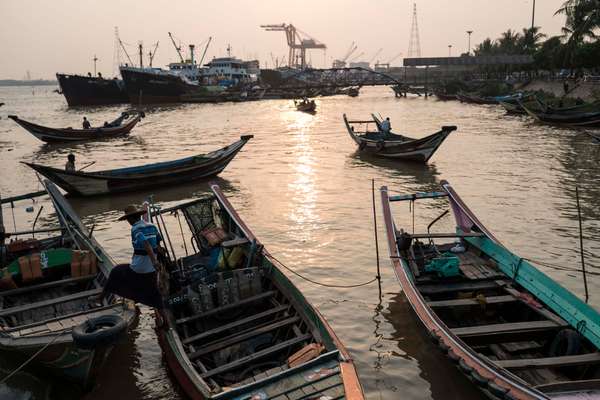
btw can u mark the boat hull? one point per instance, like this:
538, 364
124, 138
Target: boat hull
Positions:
416, 150
90, 184
91, 91
53, 135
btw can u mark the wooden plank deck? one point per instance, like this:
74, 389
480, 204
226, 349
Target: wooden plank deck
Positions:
472, 301
512, 327
50, 302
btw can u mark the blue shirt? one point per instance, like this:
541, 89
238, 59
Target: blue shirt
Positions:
142, 232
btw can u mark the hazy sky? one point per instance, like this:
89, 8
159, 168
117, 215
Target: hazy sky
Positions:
46, 37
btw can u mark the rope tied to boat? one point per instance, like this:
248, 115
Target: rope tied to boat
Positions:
30, 359
316, 282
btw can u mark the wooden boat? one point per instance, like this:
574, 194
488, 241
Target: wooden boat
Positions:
133, 178
391, 145
474, 99
308, 106
45, 285
511, 329
119, 127
444, 96
235, 327
570, 118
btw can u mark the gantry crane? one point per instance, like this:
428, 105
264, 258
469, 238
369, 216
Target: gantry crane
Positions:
341, 63
296, 40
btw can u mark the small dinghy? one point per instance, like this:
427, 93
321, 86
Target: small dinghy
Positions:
119, 127
475, 99
133, 178
572, 116
234, 326
306, 105
45, 287
391, 145
510, 328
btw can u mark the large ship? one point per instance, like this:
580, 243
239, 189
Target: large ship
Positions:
89, 90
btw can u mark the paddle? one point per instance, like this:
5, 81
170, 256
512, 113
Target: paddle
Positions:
85, 166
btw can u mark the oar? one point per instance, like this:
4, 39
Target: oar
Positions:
85, 166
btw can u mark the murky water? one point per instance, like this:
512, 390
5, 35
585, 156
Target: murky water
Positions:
307, 195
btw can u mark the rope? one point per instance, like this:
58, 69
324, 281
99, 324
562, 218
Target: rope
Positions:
560, 267
319, 283
31, 358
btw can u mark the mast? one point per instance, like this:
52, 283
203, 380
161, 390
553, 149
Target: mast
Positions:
191, 46
176, 48
152, 54
125, 51
141, 48
205, 48
95, 59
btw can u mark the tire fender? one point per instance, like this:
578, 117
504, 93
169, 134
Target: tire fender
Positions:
100, 331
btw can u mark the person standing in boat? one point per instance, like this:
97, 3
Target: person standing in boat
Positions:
385, 126
86, 123
138, 281
70, 165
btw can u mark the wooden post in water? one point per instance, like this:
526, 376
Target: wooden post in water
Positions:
376, 241
585, 286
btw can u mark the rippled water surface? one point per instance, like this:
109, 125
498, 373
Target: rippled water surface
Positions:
307, 195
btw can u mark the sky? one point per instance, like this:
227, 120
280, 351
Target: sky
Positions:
45, 37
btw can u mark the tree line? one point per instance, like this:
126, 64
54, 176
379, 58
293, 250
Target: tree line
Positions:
576, 48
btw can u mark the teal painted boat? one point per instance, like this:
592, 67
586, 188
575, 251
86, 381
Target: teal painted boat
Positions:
235, 327
46, 313
510, 328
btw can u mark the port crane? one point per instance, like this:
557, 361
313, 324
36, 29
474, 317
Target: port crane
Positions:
297, 41
341, 63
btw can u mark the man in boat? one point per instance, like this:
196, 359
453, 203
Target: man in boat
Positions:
70, 165
385, 126
86, 123
138, 281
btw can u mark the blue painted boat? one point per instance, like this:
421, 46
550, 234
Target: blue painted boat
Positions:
510, 328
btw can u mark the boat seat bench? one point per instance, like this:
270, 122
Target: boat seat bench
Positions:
50, 302
46, 285
258, 355
227, 307
237, 338
429, 289
472, 301
507, 327
235, 324
550, 362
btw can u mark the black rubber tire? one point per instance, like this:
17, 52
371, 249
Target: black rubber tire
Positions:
478, 379
100, 331
362, 146
380, 145
443, 347
496, 390
464, 367
453, 356
567, 342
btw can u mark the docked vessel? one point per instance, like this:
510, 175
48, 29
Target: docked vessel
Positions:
509, 328
235, 327
90, 90
46, 284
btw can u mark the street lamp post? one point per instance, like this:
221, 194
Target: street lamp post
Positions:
469, 48
449, 50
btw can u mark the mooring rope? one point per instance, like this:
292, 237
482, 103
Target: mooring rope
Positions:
31, 358
319, 283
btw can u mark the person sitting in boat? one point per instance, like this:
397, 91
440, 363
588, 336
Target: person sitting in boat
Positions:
86, 123
70, 165
138, 281
385, 126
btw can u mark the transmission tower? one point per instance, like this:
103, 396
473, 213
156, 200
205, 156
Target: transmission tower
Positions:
414, 46
117, 53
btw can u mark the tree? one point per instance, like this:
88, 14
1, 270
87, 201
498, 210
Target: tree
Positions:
509, 42
531, 38
582, 20
486, 48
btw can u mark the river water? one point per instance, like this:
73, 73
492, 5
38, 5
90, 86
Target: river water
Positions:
304, 191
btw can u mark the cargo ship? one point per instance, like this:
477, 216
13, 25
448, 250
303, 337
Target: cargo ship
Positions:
90, 90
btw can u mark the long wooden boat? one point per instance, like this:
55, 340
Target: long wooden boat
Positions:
306, 106
575, 119
445, 96
119, 127
391, 145
475, 99
234, 326
45, 286
510, 328
133, 178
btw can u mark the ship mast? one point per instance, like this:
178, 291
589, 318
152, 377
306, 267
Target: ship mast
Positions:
205, 48
95, 59
176, 48
152, 54
141, 47
192, 53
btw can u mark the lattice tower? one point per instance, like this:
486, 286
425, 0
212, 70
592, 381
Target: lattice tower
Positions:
414, 45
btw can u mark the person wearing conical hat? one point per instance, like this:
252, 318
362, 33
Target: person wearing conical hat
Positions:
138, 280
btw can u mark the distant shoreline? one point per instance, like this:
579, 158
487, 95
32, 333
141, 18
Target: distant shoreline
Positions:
37, 82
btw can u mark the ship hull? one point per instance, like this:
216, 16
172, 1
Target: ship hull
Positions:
91, 91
